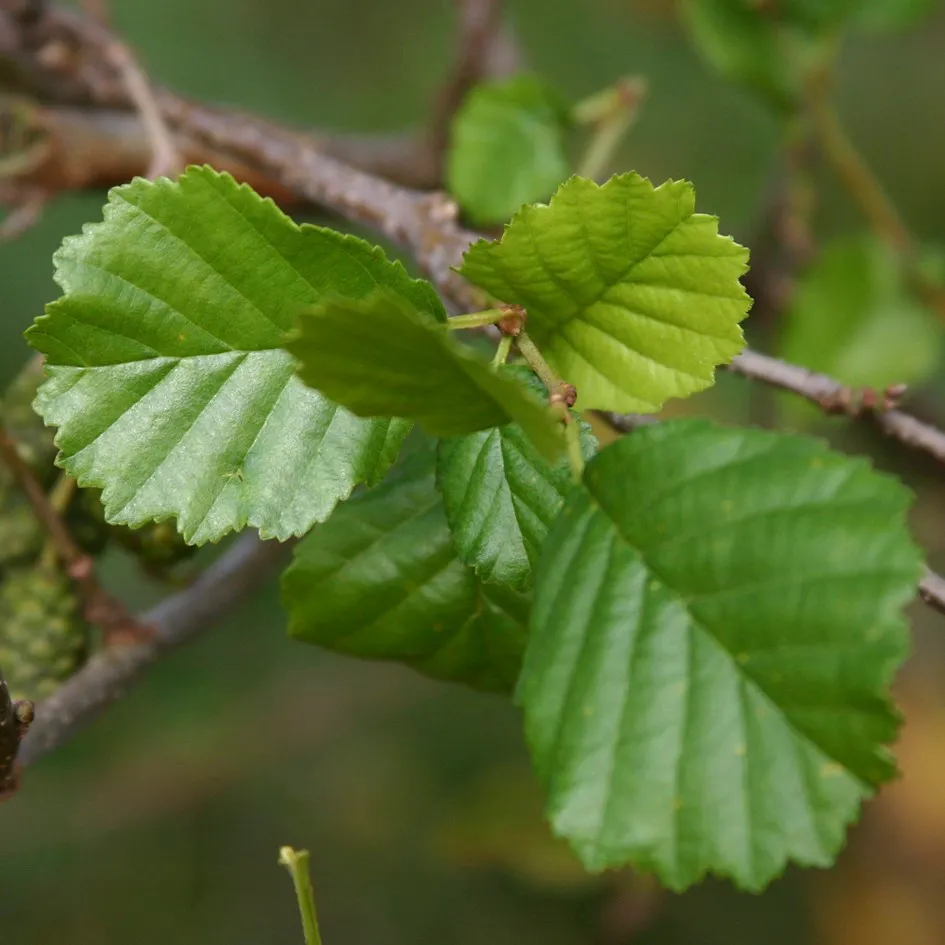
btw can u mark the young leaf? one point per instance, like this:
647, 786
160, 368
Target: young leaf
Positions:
382, 357
501, 496
381, 580
167, 378
715, 627
507, 148
631, 296
854, 318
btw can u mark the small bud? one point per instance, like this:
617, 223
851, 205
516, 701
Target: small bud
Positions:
24, 712
512, 321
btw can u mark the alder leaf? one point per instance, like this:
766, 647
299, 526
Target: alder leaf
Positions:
167, 376
501, 495
507, 148
716, 623
853, 317
380, 356
381, 580
631, 296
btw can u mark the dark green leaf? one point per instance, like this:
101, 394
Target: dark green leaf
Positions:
501, 496
507, 148
717, 620
381, 357
381, 580
168, 380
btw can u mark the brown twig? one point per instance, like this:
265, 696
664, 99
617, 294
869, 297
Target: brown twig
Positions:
15, 719
166, 160
479, 22
100, 608
832, 397
109, 674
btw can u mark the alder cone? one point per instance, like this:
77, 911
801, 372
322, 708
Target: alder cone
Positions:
21, 536
43, 637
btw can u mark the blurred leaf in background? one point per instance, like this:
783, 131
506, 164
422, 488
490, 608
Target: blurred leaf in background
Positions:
853, 317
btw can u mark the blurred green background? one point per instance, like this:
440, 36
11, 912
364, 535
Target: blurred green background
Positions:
161, 824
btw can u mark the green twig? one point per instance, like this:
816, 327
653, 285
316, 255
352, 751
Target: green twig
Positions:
475, 319
855, 174
537, 362
296, 862
572, 435
612, 112
502, 352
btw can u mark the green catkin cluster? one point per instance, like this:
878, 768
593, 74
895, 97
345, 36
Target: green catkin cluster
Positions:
43, 637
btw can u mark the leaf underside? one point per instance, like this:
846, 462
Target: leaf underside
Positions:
380, 356
716, 622
167, 376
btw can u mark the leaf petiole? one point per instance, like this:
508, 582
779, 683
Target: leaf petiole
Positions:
502, 351
572, 435
537, 362
296, 862
475, 319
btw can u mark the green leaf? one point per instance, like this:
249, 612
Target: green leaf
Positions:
501, 496
749, 46
631, 296
507, 148
382, 357
717, 619
854, 318
167, 377
381, 580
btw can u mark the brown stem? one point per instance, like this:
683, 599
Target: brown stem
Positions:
108, 675
101, 608
478, 31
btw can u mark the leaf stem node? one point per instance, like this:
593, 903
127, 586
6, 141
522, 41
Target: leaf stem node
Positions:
512, 322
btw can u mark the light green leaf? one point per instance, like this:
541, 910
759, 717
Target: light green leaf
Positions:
853, 317
381, 580
167, 377
501, 496
717, 619
631, 296
382, 357
507, 148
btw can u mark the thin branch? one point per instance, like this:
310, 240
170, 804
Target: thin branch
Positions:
832, 397
166, 159
109, 674
479, 22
